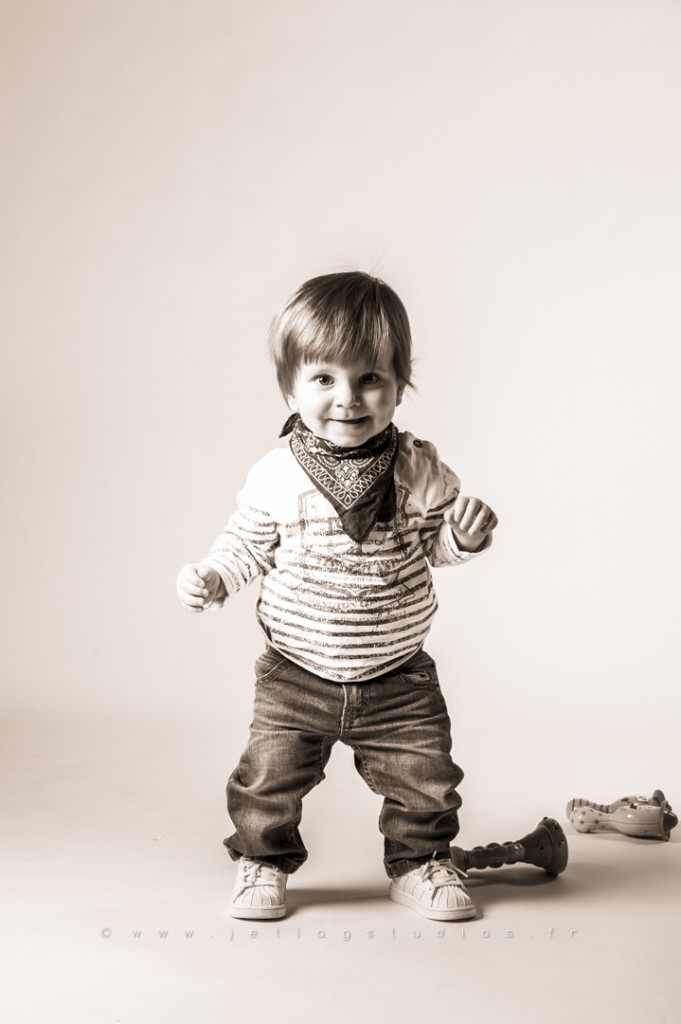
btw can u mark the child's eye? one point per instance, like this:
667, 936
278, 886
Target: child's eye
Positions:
370, 378
324, 379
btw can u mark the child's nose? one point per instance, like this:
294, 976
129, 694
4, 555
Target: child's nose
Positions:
346, 394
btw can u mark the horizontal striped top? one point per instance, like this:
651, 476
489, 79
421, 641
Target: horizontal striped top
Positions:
346, 611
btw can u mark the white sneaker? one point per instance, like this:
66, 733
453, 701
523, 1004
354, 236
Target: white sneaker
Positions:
434, 890
259, 890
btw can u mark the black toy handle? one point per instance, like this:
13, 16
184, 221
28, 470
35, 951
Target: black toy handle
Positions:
546, 848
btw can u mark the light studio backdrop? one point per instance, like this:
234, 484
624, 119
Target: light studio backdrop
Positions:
172, 172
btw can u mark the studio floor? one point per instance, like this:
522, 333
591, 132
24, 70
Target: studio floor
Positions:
116, 885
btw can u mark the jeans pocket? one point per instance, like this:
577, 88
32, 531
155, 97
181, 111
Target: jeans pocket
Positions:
421, 679
420, 670
268, 663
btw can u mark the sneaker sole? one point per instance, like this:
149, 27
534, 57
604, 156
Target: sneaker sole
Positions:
257, 913
458, 914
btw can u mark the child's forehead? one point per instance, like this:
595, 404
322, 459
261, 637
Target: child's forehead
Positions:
382, 362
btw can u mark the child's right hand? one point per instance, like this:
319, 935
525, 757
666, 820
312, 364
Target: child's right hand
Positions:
199, 587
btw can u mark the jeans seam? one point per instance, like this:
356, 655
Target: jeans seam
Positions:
343, 710
369, 779
320, 763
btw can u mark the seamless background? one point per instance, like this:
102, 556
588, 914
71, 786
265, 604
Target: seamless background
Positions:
171, 173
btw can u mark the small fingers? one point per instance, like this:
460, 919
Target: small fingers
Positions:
205, 573
471, 516
484, 522
491, 523
190, 591
193, 603
191, 588
189, 577
455, 512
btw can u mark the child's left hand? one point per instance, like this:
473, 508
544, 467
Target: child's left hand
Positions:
472, 522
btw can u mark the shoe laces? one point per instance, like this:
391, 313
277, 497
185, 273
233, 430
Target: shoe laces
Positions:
258, 872
441, 872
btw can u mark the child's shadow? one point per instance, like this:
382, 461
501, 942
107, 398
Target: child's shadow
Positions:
296, 899
516, 877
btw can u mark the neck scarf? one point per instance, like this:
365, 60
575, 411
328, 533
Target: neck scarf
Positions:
359, 482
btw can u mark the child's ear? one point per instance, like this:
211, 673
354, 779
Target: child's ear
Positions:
292, 403
400, 392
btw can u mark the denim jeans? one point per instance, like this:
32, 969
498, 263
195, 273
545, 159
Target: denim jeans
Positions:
398, 727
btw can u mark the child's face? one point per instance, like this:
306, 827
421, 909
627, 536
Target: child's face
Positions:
346, 404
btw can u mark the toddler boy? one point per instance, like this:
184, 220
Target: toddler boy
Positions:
342, 525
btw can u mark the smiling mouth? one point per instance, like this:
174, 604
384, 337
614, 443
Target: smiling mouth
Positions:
360, 419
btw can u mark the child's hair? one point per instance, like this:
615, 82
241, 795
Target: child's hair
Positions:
343, 318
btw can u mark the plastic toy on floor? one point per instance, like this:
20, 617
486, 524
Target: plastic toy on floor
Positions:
640, 816
546, 848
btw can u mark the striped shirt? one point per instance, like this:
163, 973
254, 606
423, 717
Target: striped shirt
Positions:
343, 610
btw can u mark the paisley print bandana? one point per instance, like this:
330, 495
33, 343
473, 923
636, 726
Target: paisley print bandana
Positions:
359, 482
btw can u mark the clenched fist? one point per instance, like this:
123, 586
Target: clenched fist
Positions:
472, 522
199, 587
